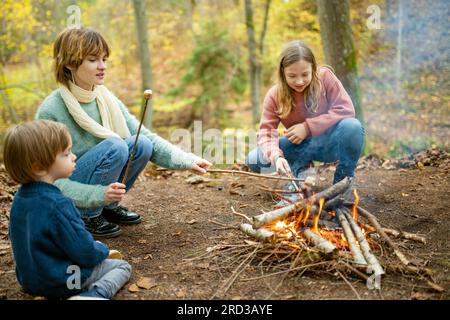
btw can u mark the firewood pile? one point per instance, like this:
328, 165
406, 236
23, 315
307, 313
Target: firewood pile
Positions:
320, 231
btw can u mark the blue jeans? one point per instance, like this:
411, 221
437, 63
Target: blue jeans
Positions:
105, 163
342, 142
107, 278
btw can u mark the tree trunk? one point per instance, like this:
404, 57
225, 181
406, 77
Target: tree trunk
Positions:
144, 55
6, 100
339, 49
254, 64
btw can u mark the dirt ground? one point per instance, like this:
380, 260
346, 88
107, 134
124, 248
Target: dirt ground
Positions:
182, 220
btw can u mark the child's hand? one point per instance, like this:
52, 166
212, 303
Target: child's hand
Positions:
297, 133
200, 166
115, 192
282, 167
115, 254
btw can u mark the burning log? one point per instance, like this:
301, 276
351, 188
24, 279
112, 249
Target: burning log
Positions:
320, 243
364, 246
353, 245
282, 213
261, 233
366, 214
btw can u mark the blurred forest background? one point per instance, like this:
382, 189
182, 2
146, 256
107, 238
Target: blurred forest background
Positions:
214, 60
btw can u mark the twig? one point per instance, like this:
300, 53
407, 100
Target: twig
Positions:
234, 276
222, 224
288, 270
241, 215
350, 285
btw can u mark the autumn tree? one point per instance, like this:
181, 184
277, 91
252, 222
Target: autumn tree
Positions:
339, 48
144, 54
255, 53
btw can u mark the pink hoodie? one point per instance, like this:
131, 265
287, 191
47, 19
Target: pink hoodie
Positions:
334, 105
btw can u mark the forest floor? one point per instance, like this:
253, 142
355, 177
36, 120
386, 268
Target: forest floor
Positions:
183, 220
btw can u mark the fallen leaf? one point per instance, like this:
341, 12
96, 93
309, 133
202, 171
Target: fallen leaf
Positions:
146, 283
181, 293
133, 288
114, 254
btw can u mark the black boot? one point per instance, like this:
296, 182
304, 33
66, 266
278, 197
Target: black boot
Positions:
99, 227
121, 215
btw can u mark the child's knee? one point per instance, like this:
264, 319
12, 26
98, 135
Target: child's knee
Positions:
118, 150
125, 267
351, 127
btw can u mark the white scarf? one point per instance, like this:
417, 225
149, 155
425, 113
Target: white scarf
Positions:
114, 124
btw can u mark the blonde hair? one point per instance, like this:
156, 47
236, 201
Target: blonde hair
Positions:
293, 52
33, 146
71, 47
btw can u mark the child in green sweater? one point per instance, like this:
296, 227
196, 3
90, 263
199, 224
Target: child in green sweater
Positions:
103, 133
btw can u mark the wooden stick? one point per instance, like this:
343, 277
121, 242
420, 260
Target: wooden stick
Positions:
357, 254
374, 222
350, 285
147, 95
258, 175
364, 245
241, 215
320, 243
398, 234
261, 233
281, 213
405, 235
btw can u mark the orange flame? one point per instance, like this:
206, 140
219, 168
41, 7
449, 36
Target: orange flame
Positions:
306, 215
355, 205
316, 218
298, 220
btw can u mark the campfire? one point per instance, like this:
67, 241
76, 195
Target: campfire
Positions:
319, 232
297, 226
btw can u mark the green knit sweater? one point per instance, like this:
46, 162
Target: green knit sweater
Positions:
164, 153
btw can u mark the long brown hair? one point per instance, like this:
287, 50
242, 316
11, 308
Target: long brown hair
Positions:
293, 52
71, 47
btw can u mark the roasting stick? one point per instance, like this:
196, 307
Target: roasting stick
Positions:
147, 96
257, 175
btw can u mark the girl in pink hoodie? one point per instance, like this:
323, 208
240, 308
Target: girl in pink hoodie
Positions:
317, 113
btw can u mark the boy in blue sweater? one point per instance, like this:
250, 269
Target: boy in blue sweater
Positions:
55, 256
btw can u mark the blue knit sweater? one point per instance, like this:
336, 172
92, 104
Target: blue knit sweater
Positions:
86, 196
47, 236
